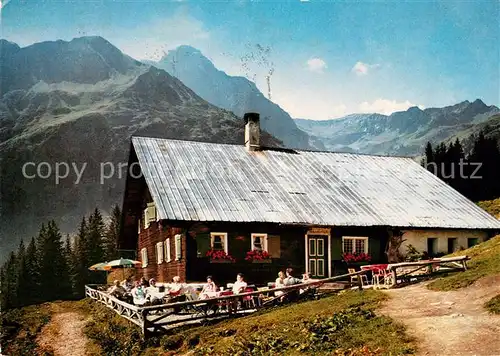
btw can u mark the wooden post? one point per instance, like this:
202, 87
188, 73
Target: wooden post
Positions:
394, 277
145, 323
360, 282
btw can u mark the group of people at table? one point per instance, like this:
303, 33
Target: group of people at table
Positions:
145, 292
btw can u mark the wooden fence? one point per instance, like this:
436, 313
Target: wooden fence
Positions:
156, 319
406, 270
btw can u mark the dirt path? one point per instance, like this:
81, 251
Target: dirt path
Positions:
64, 335
448, 323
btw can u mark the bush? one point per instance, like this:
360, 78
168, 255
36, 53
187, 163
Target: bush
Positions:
412, 254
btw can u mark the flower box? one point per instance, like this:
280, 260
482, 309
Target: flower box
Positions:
263, 261
258, 256
218, 256
356, 258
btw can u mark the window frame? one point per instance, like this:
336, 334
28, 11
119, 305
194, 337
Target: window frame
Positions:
265, 246
354, 238
224, 240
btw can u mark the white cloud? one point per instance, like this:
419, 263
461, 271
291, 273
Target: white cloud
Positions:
361, 68
385, 106
316, 65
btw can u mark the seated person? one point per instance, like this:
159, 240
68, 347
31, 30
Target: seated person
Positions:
290, 279
305, 279
280, 283
144, 282
139, 294
117, 290
176, 287
153, 292
240, 285
127, 284
209, 290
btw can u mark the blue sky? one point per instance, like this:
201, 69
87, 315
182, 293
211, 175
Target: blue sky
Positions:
327, 58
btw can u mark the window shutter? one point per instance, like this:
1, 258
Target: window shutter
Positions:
178, 252
144, 257
159, 252
151, 212
202, 244
274, 246
374, 248
336, 248
167, 250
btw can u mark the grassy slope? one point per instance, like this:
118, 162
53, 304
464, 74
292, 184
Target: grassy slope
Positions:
20, 328
491, 206
343, 323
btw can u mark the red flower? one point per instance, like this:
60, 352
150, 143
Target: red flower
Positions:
257, 255
219, 255
356, 257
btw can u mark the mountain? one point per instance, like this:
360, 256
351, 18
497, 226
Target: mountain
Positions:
73, 106
236, 94
401, 133
490, 128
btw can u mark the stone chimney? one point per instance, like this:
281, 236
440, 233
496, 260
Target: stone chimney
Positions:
252, 131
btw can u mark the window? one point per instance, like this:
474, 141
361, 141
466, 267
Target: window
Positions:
472, 241
144, 257
167, 250
259, 242
431, 246
159, 252
452, 244
218, 241
178, 253
351, 244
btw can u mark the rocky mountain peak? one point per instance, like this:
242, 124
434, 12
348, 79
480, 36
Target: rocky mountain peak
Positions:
84, 60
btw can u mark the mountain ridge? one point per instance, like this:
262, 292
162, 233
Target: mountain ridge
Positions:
401, 133
234, 93
68, 117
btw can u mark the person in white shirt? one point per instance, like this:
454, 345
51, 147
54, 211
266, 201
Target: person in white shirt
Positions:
139, 294
280, 283
240, 285
153, 292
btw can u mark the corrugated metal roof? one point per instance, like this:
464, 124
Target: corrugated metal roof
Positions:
199, 181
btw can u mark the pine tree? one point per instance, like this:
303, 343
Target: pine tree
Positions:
112, 235
32, 274
429, 154
81, 252
53, 267
3, 290
71, 263
21, 285
95, 235
9, 287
